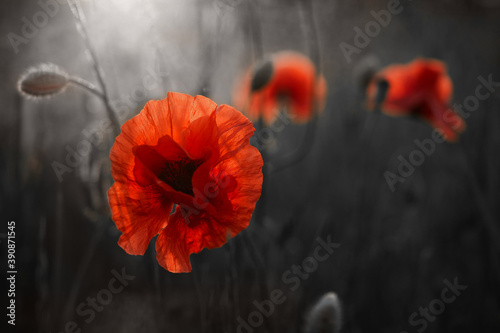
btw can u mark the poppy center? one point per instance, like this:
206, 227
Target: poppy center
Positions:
262, 75
179, 174
167, 162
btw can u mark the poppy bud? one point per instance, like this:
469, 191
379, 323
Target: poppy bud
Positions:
325, 316
44, 80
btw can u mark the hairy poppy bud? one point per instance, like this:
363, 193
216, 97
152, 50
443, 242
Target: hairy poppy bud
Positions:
325, 316
44, 80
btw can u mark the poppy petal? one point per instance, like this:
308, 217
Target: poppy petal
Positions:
154, 159
168, 154
191, 229
201, 138
131, 207
243, 188
422, 88
235, 130
182, 236
291, 83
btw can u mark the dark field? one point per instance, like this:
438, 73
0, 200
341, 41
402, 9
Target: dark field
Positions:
395, 251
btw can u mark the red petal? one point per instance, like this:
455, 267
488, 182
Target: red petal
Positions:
243, 190
150, 160
178, 240
193, 228
201, 138
131, 208
434, 113
291, 84
235, 130
170, 116
179, 129
295, 77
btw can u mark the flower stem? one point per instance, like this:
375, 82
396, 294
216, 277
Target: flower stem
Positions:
82, 270
488, 219
90, 87
80, 25
313, 45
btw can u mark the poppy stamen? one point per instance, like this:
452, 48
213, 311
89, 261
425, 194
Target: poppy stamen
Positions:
179, 174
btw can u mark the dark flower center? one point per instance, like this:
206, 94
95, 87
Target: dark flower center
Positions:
179, 174
262, 75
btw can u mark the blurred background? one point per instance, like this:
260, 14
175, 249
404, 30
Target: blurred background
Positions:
396, 247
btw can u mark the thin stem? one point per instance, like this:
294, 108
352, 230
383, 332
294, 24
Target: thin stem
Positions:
259, 264
41, 274
59, 251
360, 187
80, 25
260, 210
90, 87
233, 260
260, 270
255, 30
199, 290
488, 219
156, 279
228, 290
82, 270
299, 154
312, 32
313, 45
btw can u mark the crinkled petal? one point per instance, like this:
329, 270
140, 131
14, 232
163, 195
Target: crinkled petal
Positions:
441, 117
291, 84
139, 213
235, 130
243, 189
168, 154
194, 227
170, 116
201, 138
179, 239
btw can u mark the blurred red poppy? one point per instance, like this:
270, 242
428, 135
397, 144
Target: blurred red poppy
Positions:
189, 152
421, 88
287, 79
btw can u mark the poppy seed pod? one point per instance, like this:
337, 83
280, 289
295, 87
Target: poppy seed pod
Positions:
44, 80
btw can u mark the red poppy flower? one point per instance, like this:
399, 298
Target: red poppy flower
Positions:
186, 151
287, 79
420, 88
